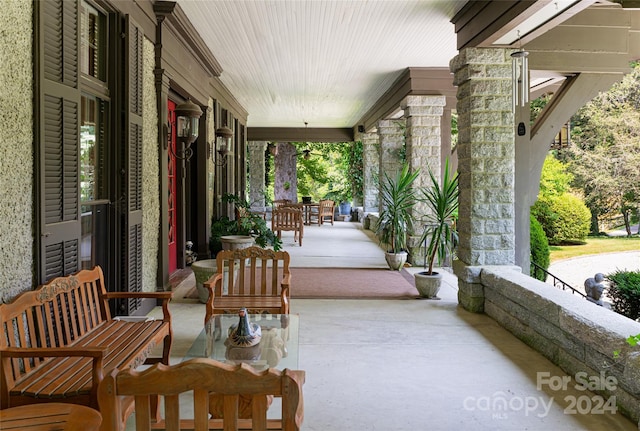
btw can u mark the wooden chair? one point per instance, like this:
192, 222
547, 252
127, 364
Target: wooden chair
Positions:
255, 278
280, 202
288, 218
326, 209
203, 376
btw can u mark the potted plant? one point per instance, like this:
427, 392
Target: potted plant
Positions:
246, 224
395, 220
442, 207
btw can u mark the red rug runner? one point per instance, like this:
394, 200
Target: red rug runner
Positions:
351, 283
346, 283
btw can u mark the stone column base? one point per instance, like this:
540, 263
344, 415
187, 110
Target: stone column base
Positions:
470, 288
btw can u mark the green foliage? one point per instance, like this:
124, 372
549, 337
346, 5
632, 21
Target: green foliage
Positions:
563, 218
605, 154
624, 291
442, 204
554, 180
247, 224
356, 170
539, 249
395, 221
326, 173
538, 105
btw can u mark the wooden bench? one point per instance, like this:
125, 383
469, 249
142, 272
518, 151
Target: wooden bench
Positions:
204, 376
254, 278
58, 341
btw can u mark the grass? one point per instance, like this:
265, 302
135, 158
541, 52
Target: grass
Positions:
595, 245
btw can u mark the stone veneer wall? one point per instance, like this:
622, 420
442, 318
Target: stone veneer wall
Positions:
571, 332
371, 168
16, 135
256, 174
150, 176
423, 116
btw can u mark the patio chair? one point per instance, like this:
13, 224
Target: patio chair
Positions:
203, 376
326, 209
254, 278
280, 202
288, 218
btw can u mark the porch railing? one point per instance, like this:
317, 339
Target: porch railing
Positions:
556, 281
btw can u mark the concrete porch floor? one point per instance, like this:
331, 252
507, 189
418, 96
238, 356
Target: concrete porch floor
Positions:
411, 364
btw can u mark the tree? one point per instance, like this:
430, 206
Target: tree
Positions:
606, 152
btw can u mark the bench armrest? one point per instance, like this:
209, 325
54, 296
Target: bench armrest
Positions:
210, 285
52, 352
164, 296
157, 295
97, 353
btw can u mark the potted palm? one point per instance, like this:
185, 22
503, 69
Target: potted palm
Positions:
395, 221
442, 207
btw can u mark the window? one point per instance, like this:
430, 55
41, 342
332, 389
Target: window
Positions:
94, 116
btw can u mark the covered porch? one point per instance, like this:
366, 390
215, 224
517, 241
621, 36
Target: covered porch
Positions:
413, 364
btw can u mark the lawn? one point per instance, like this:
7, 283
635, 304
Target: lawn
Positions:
595, 245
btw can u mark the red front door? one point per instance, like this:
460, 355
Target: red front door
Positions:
171, 175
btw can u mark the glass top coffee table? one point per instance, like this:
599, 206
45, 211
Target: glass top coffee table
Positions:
278, 347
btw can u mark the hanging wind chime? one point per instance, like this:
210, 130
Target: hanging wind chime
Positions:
520, 77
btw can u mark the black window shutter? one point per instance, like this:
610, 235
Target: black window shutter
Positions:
57, 114
132, 223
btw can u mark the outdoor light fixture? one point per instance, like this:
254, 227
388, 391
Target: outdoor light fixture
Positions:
223, 144
520, 77
306, 153
187, 119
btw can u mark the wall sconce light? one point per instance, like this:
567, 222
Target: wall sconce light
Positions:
187, 120
223, 143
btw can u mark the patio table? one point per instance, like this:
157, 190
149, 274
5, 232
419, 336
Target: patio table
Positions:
308, 210
278, 347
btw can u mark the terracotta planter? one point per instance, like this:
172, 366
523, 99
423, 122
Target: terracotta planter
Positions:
396, 261
428, 285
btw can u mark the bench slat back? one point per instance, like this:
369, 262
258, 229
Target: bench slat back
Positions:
253, 271
54, 315
203, 376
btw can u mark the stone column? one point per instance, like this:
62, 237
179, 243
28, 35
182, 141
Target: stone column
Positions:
486, 162
256, 174
370, 167
286, 178
392, 147
423, 116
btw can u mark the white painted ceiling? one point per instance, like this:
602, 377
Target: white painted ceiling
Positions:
324, 62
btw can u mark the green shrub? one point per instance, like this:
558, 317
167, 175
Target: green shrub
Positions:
564, 218
624, 291
539, 249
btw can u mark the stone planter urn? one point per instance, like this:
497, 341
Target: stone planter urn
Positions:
236, 242
428, 285
203, 270
396, 261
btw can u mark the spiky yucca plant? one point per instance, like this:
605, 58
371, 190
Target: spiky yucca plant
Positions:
442, 202
395, 221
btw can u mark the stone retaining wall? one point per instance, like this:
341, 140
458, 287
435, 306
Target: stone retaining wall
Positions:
573, 333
